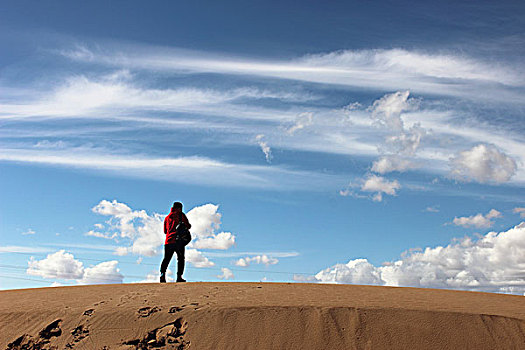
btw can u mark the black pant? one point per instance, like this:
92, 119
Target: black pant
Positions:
169, 249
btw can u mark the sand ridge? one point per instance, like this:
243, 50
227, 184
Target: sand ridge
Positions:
258, 316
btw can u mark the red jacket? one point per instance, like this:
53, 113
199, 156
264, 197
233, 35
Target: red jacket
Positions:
170, 224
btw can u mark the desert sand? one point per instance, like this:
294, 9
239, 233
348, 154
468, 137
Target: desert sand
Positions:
258, 316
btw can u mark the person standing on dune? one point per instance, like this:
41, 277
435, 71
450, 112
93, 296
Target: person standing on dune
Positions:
174, 243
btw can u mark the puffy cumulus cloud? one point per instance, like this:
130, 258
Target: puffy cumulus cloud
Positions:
145, 232
104, 273
122, 217
493, 263
223, 240
402, 141
390, 163
358, 271
479, 220
520, 211
258, 259
63, 265
205, 221
386, 111
407, 141
380, 185
56, 265
196, 258
302, 121
264, 147
483, 163
226, 274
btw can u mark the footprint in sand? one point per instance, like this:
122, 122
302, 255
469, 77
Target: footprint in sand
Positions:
174, 309
26, 341
51, 330
147, 311
89, 312
169, 336
80, 333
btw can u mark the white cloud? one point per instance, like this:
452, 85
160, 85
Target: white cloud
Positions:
264, 147
121, 251
386, 111
101, 235
63, 265
226, 274
390, 163
483, 163
99, 226
205, 221
195, 170
493, 263
520, 211
196, 258
111, 96
104, 273
22, 249
381, 69
259, 259
358, 271
145, 232
407, 141
479, 220
380, 185
56, 265
433, 209
29, 232
402, 141
222, 240
302, 121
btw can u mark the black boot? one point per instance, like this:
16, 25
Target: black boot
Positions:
162, 277
180, 279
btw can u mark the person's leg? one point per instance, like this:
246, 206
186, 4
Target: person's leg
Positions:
169, 249
180, 262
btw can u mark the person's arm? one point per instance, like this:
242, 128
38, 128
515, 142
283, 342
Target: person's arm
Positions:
166, 225
185, 219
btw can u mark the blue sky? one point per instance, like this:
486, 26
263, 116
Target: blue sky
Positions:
350, 142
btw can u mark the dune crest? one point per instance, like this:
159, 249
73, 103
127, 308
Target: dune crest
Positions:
258, 316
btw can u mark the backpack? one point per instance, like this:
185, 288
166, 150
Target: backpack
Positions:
183, 236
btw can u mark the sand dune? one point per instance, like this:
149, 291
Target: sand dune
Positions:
258, 316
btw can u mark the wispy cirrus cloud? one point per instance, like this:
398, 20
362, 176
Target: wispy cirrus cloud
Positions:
115, 95
199, 170
123, 101
429, 73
